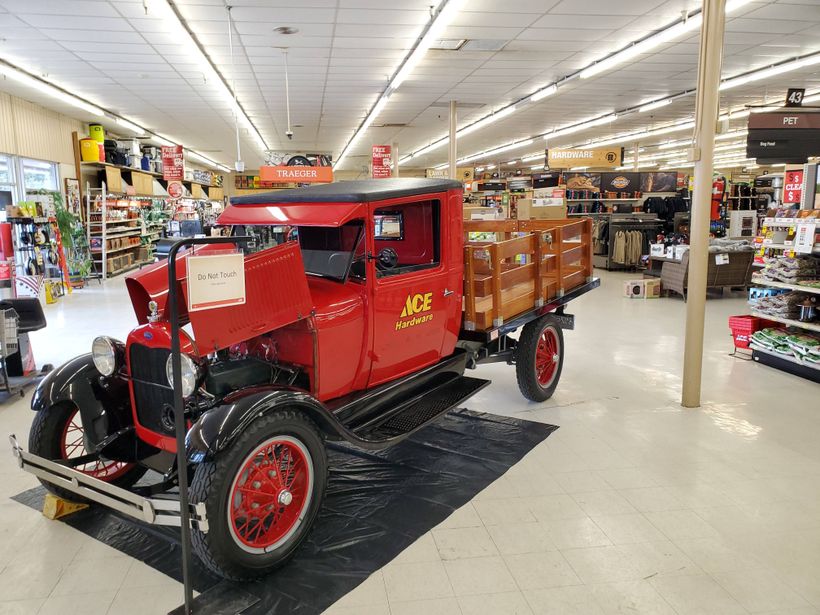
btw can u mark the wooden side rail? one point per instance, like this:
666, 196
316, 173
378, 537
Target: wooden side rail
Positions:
506, 278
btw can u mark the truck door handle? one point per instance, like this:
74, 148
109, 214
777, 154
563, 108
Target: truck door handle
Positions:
447, 292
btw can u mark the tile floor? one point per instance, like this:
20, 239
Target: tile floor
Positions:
635, 505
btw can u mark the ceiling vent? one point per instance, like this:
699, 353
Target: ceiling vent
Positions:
448, 44
483, 44
392, 125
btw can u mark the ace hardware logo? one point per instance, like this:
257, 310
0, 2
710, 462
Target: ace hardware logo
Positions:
414, 310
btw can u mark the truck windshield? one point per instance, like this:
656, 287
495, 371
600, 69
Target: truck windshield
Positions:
330, 251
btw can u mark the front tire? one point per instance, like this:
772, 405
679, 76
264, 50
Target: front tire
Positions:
261, 496
57, 433
539, 358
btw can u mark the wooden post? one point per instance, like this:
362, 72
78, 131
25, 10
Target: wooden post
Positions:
469, 289
539, 263
495, 274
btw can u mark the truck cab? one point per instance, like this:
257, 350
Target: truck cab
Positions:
384, 270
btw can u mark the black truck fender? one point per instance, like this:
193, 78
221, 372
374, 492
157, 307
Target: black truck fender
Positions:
218, 427
104, 402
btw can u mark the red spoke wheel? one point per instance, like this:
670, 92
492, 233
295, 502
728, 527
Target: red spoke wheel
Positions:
57, 433
539, 358
72, 445
262, 492
270, 494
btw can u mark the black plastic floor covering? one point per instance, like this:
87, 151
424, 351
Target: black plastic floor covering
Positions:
377, 504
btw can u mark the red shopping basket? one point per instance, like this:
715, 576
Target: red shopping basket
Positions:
744, 325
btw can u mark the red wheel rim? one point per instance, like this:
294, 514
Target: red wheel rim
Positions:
547, 357
72, 445
270, 494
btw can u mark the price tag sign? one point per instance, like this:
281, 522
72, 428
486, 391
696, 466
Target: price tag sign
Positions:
721, 259
793, 187
804, 237
216, 281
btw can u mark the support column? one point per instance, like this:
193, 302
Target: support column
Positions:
452, 144
706, 116
394, 155
635, 151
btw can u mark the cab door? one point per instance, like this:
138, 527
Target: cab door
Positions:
411, 290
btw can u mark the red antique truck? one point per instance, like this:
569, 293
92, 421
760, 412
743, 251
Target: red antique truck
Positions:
359, 327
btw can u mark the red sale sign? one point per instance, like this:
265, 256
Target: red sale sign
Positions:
793, 187
173, 166
381, 161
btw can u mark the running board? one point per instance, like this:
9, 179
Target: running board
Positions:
149, 510
422, 409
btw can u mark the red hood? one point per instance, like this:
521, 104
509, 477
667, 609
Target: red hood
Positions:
151, 284
276, 294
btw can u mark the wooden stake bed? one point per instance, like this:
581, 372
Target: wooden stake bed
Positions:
539, 260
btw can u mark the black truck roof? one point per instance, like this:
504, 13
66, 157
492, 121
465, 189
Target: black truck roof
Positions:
359, 191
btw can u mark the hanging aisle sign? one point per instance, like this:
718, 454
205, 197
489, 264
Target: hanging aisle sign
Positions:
173, 164
296, 173
566, 158
381, 161
216, 281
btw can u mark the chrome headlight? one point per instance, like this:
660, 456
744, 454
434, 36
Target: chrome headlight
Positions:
104, 354
190, 373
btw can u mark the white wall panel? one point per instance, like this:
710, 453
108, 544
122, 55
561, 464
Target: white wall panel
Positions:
27, 129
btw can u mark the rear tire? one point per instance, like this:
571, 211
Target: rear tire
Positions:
57, 433
261, 496
539, 358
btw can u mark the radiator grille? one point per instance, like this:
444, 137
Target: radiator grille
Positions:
148, 366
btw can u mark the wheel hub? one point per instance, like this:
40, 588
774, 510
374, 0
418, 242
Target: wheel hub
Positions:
285, 497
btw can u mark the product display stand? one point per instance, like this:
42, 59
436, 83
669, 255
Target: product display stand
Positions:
203, 605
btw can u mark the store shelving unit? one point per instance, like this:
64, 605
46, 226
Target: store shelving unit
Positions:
808, 326
101, 232
783, 362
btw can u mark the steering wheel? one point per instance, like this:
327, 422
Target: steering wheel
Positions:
387, 259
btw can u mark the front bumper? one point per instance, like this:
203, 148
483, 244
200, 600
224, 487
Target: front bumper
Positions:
156, 511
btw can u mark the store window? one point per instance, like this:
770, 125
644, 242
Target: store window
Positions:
7, 184
38, 175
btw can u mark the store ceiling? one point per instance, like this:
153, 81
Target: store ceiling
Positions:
340, 61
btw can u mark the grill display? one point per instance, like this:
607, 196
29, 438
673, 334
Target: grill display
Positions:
148, 365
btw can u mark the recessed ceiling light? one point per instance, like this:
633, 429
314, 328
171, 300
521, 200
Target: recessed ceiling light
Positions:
286, 30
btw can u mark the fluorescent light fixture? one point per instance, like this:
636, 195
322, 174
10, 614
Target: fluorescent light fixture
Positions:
536, 166
374, 112
489, 167
774, 71
643, 46
544, 92
122, 122
671, 144
562, 132
531, 157
731, 135
442, 166
649, 43
433, 33
486, 121
160, 140
163, 10
579, 168
202, 159
647, 134
497, 150
655, 105
511, 162
49, 90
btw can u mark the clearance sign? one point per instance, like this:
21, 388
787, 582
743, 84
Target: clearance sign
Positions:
588, 157
301, 175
